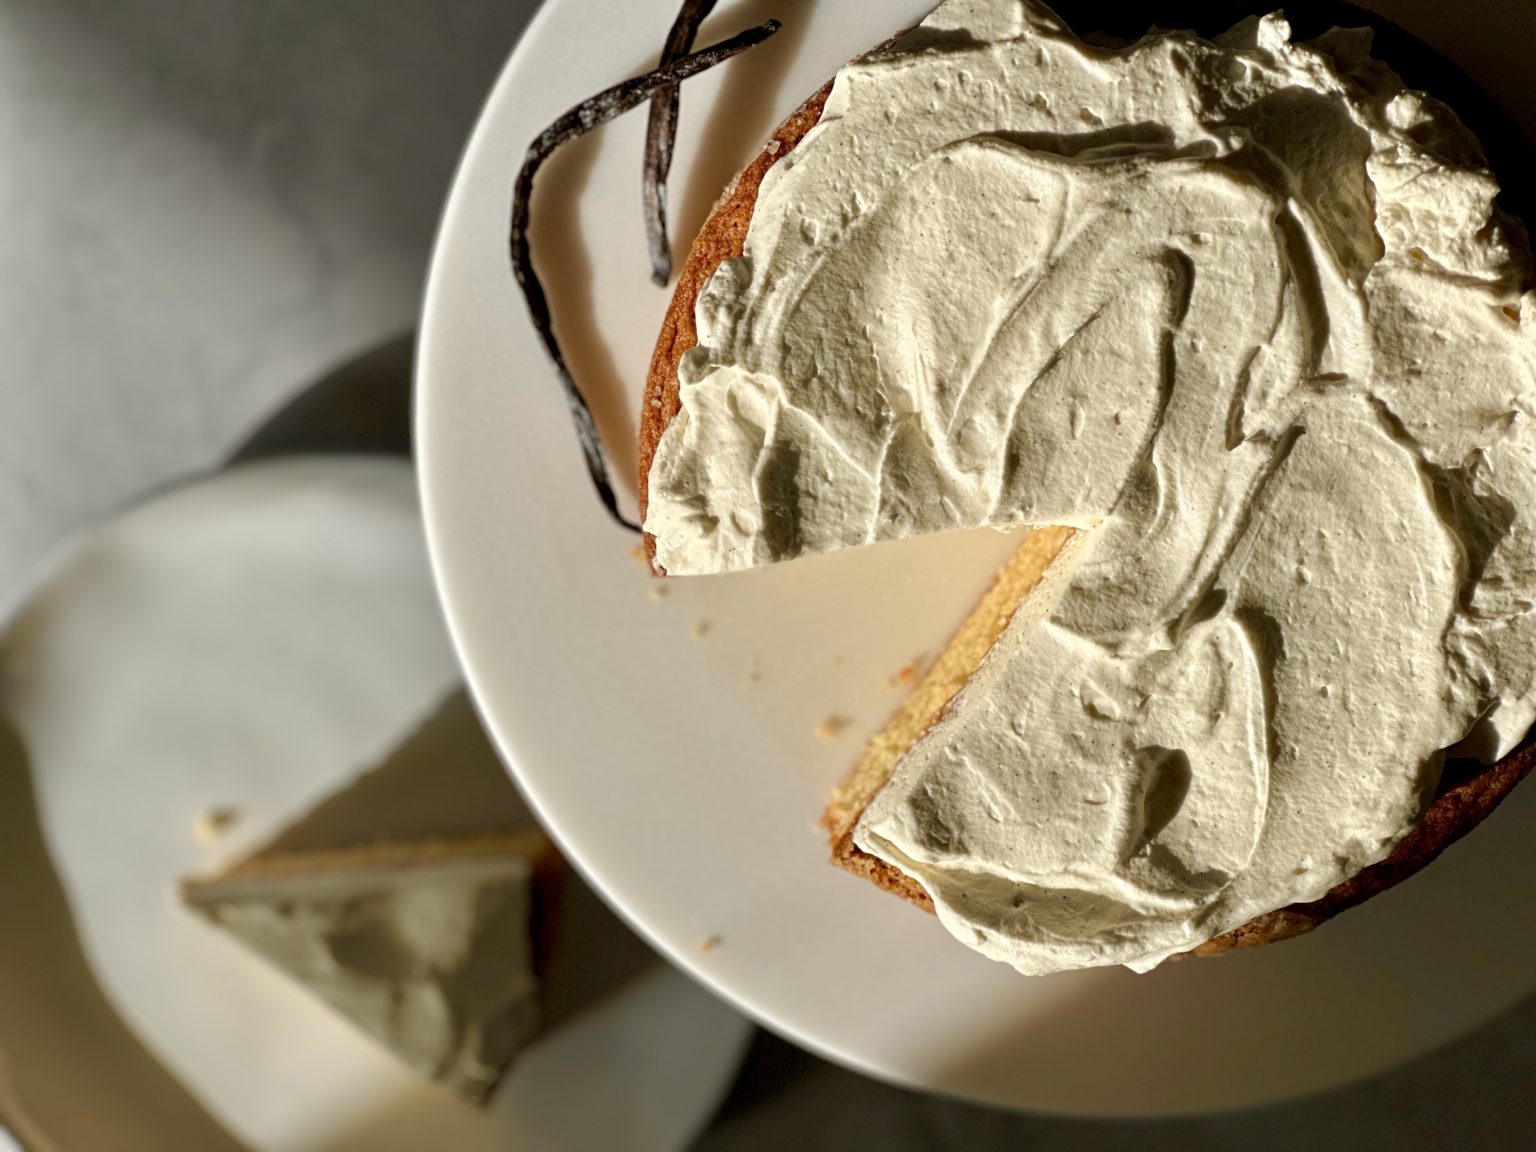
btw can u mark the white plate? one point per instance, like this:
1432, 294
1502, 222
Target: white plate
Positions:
255, 641
682, 773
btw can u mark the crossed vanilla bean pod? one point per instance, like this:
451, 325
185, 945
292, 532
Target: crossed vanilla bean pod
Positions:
661, 135
587, 115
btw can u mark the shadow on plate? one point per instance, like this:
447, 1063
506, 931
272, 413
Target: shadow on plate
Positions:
564, 263
362, 406
86, 1080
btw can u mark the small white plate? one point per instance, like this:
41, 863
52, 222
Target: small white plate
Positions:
254, 641
670, 744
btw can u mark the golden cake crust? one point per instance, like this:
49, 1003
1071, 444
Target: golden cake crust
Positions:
721, 238
1465, 797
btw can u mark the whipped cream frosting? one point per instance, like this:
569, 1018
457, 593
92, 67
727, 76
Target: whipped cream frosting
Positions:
433, 958
1242, 310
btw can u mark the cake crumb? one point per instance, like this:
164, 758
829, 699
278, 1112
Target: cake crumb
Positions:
699, 630
710, 943
906, 676
832, 727
658, 592
638, 552
211, 825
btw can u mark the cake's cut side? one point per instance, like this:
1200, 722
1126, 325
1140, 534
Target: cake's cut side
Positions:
1011, 588
271, 864
426, 946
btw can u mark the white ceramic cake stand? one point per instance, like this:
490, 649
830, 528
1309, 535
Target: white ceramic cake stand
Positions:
671, 744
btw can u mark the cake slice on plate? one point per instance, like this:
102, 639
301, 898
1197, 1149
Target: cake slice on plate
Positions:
417, 902
424, 945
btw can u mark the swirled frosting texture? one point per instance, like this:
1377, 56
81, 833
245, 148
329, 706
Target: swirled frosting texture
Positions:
1242, 310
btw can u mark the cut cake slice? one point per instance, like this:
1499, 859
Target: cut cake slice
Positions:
424, 945
418, 901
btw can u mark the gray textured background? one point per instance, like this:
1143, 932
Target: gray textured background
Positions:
206, 204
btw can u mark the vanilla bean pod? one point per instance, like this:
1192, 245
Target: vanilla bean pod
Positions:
661, 135
587, 115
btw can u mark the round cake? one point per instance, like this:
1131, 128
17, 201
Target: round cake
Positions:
1273, 329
